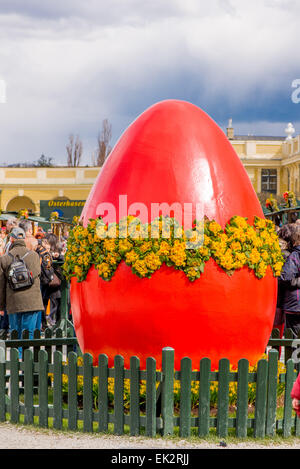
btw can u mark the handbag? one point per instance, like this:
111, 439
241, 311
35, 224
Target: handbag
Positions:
55, 282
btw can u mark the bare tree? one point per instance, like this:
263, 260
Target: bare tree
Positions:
74, 151
103, 149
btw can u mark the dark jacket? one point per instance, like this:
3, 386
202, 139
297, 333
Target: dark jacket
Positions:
281, 285
25, 300
47, 273
290, 273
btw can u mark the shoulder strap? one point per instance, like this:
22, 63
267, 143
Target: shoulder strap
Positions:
26, 254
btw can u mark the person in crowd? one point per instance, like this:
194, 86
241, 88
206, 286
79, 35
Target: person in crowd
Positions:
295, 395
23, 306
10, 224
30, 240
55, 288
290, 283
40, 233
2, 240
284, 236
4, 325
55, 247
50, 283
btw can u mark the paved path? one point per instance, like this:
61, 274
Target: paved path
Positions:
22, 437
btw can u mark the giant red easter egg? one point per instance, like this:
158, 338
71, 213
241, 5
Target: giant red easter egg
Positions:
174, 153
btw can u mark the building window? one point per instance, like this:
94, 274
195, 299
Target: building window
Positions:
269, 180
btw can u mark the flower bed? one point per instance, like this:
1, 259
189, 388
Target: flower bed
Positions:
194, 390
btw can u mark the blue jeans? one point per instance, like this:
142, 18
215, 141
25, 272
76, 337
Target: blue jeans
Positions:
30, 320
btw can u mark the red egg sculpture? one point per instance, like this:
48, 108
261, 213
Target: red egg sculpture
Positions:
175, 153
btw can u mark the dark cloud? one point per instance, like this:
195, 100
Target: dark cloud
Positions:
68, 65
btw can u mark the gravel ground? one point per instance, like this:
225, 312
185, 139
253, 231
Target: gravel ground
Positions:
23, 437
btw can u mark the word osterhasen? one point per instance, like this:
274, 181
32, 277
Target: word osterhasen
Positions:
66, 203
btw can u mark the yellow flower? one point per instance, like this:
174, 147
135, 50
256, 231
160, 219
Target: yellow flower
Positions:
152, 261
92, 224
192, 273
103, 269
236, 246
140, 267
254, 256
260, 223
164, 249
241, 221
124, 245
265, 255
261, 270
109, 245
131, 257
145, 246
112, 258
178, 254
214, 227
204, 251
77, 271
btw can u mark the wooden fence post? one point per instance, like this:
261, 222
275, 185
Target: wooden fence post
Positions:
103, 393
185, 397
43, 388
119, 395
134, 396
272, 393
28, 387
72, 391
167, 390
242, 398
87, 392
261, 399
204, 397
223, 398
14, 386
151, 397
289, 381
57, 391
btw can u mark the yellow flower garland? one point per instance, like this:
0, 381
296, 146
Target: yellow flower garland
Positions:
145, 247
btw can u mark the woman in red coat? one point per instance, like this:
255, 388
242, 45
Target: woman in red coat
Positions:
295, 395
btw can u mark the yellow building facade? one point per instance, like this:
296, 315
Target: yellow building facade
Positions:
24, 188
272, 163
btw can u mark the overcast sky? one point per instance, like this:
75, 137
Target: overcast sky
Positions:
69, 64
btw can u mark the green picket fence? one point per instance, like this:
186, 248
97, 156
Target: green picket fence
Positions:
22, 400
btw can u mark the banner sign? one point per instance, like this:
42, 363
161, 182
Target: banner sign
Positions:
66, 208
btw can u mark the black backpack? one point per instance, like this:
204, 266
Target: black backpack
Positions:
19, 277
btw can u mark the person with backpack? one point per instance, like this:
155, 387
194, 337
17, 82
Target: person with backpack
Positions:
20, 292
